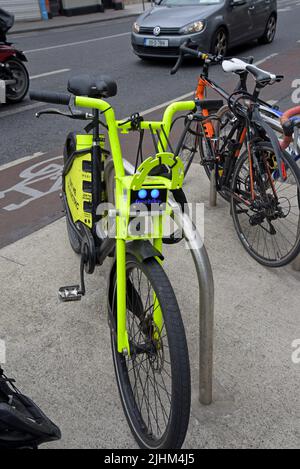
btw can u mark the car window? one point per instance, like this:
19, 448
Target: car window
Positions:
184, 3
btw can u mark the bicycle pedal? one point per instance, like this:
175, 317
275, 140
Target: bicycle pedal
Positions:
72, 293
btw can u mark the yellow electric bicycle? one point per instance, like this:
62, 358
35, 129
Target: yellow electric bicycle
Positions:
148, 340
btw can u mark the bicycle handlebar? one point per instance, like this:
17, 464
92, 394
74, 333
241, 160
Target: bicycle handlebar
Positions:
50, 97
185, 50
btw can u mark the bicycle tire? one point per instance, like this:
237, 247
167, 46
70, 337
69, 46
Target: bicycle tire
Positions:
189, 146
279, 260
180, 395
204, 153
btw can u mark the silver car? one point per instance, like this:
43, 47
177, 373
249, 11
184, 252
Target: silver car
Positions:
213, 25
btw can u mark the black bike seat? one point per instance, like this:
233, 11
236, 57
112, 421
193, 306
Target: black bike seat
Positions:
260, 76
92, 86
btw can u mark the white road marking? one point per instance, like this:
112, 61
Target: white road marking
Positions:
259, 62
281, 10
21, 160
71, 44
48, 74
156, 108
21, 109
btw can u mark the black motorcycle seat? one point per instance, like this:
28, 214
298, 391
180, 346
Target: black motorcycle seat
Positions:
92, 86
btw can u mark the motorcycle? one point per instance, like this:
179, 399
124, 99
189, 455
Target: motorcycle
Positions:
14, 77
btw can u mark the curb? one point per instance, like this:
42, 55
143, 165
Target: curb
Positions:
60, 26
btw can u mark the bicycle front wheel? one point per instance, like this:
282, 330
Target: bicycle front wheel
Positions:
268, 225
154, 381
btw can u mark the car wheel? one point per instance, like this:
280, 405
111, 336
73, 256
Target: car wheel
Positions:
270, 31
219, 43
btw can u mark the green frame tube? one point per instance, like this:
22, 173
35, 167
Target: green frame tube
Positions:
114, 128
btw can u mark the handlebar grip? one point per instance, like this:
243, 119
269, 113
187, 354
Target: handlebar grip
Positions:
50, 97
189, 51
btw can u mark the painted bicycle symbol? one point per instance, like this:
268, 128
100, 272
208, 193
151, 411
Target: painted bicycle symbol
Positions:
44, 171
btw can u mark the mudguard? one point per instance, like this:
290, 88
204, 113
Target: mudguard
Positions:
270, 133
21, 56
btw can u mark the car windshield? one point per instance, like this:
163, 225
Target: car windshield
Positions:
184, 3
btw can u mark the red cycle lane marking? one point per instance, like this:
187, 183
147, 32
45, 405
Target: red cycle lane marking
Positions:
29, 197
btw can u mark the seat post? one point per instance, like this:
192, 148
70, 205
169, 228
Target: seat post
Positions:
96, 168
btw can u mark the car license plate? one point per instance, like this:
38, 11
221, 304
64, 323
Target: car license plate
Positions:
156, 42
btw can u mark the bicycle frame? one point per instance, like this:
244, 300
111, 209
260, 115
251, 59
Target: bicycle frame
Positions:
204, 82
124, 186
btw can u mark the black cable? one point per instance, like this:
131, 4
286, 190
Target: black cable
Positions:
140, 150
153, 138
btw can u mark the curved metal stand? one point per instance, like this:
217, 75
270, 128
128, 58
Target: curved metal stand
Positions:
206, 297
213, 189
296, 264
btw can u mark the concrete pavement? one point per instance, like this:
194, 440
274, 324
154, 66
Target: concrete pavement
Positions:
60, 353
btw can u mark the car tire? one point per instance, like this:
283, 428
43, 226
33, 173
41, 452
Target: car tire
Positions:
270, 31
219, 43
17, 93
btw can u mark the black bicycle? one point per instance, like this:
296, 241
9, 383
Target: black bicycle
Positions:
246, 163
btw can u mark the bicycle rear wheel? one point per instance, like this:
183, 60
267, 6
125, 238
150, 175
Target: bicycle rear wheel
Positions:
208, 148
268, 226
154, 381
190, 144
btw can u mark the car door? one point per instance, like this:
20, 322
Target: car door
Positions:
239, 20
259, 13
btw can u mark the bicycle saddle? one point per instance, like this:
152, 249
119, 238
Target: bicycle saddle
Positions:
92, 86
261, 76
234, 65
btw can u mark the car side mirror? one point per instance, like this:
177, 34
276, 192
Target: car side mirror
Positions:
236, 3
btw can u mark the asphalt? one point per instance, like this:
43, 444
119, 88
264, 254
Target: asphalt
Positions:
58, 22
60, 353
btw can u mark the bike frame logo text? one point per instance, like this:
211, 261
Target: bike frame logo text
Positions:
2, 351
296, 92
296, 352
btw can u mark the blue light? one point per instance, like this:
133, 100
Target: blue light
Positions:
142, 194
155, 194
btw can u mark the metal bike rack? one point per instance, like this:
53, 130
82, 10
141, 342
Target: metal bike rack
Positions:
206, 298
2, 91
